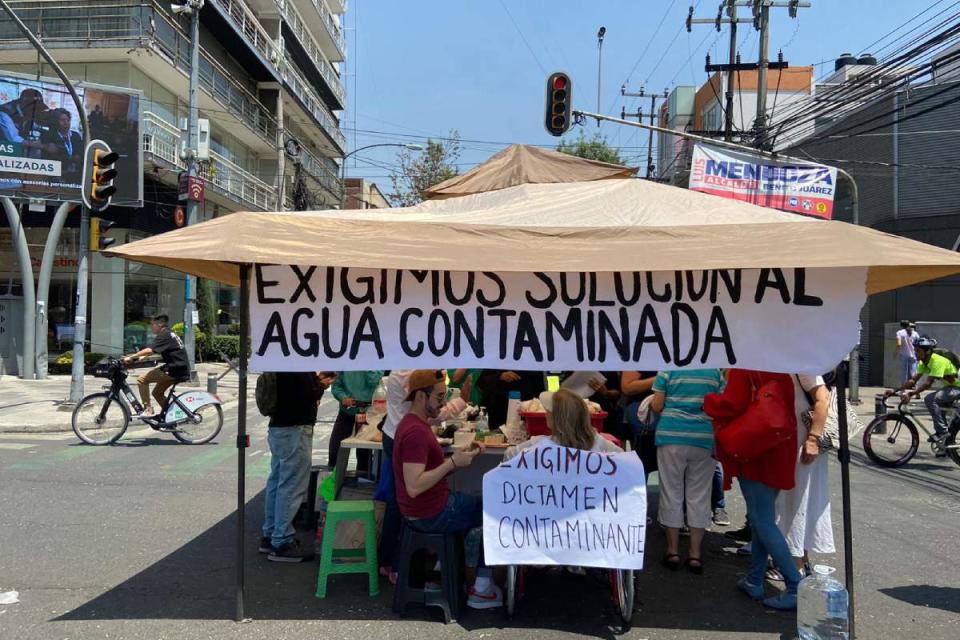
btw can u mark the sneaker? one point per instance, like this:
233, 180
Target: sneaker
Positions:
937, 437
290, 552
720, 518
782, 602
265, 546
773, 575
745, 550
490, 599
740, 535
755, 591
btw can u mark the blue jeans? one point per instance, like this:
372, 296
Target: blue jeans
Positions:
767, 541
464, 512
908, 367
936, 402
717, 500
291, 450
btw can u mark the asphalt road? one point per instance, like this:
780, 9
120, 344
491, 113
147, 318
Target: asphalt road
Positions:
137, 541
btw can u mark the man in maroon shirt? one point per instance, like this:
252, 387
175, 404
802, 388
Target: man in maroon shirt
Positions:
420, 470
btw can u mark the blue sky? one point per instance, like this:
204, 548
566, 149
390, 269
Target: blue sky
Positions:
425, 67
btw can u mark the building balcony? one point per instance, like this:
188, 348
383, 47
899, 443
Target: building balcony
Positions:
116, 29
162, 141
321, 22
324, 171
261, 56
309, 49
312, 104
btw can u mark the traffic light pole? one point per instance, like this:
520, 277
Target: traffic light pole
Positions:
190, 283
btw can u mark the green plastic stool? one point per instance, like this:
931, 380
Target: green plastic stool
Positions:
339, 511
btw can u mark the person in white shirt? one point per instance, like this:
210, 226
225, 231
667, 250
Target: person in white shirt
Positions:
906, 338
397, 407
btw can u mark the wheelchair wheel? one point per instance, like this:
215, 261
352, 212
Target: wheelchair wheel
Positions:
623, 588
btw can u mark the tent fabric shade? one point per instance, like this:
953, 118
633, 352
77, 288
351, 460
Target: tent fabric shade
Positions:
525, 164
627, 225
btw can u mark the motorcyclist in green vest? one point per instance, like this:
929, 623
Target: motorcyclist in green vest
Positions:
933, 367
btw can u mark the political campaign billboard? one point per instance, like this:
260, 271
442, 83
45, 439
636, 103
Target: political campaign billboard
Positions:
807, 188
41, 138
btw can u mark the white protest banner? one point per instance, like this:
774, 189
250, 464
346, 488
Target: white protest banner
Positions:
802, 187
555, 505
341, 319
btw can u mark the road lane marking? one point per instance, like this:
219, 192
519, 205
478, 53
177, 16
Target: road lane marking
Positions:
204, 461
16, 445
55, 459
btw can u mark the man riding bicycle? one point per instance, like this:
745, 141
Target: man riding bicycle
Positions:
934, 367
175, 367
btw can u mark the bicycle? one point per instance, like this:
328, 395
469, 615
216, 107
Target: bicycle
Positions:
194, 417
892, 439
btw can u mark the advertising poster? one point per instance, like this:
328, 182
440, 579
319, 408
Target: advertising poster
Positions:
41, 144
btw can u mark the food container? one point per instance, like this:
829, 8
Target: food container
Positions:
463, 438
537, 422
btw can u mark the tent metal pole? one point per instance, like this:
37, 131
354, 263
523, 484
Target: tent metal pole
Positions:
844, 455
243, 440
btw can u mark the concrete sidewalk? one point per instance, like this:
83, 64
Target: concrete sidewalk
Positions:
38, 406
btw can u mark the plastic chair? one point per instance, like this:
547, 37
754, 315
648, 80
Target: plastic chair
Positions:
448, 549
341, 511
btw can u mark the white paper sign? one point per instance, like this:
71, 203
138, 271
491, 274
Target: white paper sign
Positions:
554, 505
340, 319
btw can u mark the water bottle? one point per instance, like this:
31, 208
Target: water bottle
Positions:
513, 409
822, 606
378, 403
483, 424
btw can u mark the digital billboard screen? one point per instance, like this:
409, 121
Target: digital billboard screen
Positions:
41, 143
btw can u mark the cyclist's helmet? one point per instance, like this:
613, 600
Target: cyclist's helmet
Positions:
925, 342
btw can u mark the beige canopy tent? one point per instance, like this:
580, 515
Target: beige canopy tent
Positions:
611, 225
603, 225
524, 164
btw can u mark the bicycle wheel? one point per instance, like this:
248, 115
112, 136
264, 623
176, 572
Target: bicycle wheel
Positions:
211, 421
623, 598
100, 419
953, 445
891, 440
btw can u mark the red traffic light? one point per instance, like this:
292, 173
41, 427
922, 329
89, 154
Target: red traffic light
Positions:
558, 103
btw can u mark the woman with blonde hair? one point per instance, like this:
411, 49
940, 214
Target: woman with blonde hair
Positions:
569, 421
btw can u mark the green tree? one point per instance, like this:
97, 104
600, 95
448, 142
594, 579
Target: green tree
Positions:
593, 148
420, 170
206, 307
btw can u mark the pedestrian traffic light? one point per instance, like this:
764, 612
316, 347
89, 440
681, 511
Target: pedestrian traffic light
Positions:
99, 173
559, 100
98, 227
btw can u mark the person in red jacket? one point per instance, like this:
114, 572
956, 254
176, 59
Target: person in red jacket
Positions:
760, 480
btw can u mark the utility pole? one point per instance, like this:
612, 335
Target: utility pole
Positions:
730, 6
761, 22
639, 115
189, 154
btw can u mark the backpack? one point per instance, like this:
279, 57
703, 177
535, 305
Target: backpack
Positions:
267, 394
949, 355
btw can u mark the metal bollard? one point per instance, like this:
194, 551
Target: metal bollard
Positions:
212, 383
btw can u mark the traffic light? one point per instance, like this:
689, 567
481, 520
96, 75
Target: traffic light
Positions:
559, 99
99, 173
98, 227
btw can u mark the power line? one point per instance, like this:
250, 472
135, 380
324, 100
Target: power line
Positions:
523, 37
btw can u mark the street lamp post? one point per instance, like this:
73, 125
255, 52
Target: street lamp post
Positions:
343, 166
600, 34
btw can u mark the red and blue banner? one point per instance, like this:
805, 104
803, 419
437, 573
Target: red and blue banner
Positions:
789, 186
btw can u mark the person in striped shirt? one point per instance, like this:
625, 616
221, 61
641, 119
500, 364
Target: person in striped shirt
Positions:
684, 442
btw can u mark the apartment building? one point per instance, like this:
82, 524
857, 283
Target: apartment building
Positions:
270, 73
